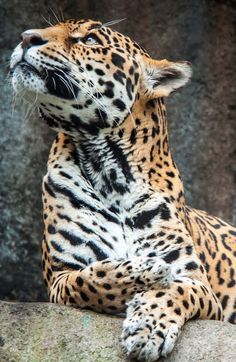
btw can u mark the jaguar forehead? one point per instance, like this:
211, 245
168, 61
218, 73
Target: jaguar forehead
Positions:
84, 25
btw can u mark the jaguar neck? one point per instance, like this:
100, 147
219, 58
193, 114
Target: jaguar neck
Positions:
133, 156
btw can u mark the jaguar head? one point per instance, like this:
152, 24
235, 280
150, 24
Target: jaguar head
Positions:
83, 76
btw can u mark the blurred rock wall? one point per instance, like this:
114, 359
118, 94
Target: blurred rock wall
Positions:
202, 116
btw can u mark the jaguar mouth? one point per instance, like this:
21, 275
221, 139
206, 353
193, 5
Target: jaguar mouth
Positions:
55, 80
26, 67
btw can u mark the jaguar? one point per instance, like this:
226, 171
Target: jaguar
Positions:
119, 237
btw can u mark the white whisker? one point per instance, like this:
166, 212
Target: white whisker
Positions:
47, 21
113, 22
54, 83
54, 14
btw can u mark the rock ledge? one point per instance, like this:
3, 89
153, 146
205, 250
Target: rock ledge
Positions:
43, 332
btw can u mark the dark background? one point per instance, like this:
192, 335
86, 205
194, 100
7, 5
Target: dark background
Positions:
202, 117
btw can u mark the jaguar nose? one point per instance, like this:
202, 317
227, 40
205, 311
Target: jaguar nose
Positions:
30, 39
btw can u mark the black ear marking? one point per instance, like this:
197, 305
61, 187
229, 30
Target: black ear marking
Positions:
170, 74
167, 76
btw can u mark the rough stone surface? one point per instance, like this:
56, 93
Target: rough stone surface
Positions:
202, 116
45, 332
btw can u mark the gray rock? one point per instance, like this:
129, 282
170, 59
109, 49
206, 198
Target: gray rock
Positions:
202, 117
43, 332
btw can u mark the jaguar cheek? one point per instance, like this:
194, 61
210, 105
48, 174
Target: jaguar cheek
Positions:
61, 85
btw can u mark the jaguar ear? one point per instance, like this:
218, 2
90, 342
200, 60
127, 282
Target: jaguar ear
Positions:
161, 77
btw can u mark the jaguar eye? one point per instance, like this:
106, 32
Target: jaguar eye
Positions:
91, 40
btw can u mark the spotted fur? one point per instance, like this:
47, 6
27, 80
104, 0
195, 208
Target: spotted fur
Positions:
118, 234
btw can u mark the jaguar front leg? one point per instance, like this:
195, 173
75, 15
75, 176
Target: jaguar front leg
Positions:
155, 318
106, 286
